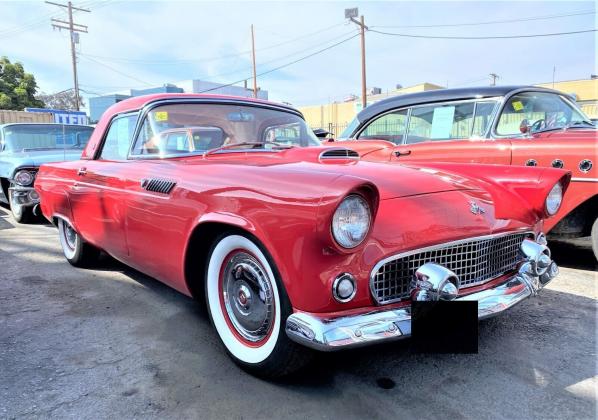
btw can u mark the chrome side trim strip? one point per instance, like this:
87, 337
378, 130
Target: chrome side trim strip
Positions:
584, 179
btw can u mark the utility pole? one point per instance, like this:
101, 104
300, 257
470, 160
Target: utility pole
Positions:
253, 61
74, 29
351, 14
494, 76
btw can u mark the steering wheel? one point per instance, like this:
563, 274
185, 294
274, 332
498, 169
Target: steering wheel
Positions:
537, 125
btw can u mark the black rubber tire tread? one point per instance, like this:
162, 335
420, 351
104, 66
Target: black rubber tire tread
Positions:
594, 235
287, 357
26, 216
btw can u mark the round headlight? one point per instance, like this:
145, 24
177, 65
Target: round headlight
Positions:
351, 221
554, 199
24, 178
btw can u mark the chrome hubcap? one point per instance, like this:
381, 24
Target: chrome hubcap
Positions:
70, 235
248, 297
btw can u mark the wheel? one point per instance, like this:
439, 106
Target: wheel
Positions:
248, 307
76, 251
21, 214
595, 238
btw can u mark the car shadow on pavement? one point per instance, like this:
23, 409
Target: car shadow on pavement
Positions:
574, 255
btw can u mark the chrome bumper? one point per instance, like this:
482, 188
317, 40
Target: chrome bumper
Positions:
329, 334
23, 196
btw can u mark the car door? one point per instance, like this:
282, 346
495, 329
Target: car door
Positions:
98, 197
451, 132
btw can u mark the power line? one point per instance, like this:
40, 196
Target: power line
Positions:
585, 12
117, 71
284, 65
483, 37
42, 19
214, 58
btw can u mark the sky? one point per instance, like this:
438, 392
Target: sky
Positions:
134, 44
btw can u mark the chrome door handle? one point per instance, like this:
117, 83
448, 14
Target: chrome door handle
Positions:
82, 171
399, 153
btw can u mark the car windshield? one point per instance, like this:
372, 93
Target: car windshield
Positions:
45, 136
196, 128
541, 111
348, 132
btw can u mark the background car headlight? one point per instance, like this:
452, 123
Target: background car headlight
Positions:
554, 199
24, 178
351, 221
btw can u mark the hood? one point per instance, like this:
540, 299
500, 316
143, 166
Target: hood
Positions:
11, 161
391, 180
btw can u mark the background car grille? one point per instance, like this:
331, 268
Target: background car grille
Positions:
474, 262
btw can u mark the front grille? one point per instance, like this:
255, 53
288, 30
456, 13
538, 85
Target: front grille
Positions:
474, 261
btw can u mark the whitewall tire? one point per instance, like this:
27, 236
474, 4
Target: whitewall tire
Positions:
248, 307
75, 249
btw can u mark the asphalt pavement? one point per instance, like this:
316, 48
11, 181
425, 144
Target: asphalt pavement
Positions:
113, 343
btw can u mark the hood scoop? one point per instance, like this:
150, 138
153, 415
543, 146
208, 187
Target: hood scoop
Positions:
162, 186
333, 155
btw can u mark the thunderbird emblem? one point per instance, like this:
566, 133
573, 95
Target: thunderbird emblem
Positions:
475, 209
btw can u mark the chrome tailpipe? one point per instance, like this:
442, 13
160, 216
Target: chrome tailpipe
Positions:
36, 211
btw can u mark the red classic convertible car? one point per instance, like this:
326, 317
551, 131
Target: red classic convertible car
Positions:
295, 246
508, 125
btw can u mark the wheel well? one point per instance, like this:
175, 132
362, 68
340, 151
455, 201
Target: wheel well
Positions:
196, 257
580, 219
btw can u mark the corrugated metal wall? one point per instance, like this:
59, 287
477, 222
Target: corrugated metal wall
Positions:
7, 116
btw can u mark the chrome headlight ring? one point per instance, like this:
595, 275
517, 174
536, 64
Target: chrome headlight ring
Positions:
23, 178
554, 199
351, 221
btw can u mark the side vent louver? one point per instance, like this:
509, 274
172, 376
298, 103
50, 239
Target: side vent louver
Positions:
162, 186
339, 153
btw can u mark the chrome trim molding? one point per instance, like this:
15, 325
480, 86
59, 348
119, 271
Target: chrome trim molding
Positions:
326, 333
557, 163
337, 281
585, 166
334, 153
584, 179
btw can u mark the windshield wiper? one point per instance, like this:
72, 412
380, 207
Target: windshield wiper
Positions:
566, 126
277, 146
583, 123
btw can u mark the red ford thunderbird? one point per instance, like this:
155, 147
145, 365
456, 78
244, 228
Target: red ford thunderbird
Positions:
295, 246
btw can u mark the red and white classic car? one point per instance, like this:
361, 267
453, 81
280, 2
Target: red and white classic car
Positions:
295, 246
507, 125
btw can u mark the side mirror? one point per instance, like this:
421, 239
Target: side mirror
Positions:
525, 127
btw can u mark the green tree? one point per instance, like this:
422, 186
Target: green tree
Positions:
17, 88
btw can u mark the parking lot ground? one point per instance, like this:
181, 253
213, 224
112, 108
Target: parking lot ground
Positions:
113, 343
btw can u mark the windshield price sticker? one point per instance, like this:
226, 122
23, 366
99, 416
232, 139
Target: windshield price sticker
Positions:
161, 116
517, 105
442, 122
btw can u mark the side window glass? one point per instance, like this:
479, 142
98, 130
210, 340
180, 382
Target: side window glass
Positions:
118, 139
482, 119
389, 127
440, 122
